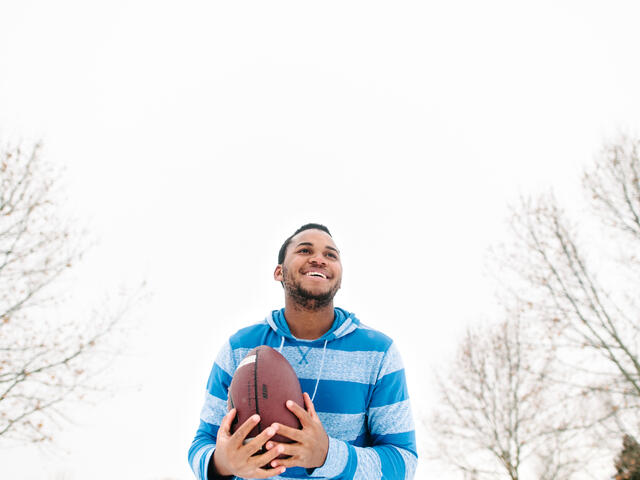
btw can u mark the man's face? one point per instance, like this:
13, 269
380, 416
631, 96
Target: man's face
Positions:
311, 271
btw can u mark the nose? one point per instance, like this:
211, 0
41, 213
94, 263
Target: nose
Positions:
317, 259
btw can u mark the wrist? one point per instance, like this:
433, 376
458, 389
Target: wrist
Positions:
216, 468
336, 459
324, 450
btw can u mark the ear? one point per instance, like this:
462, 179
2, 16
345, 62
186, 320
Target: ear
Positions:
277, 274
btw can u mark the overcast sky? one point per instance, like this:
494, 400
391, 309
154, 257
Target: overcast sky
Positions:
196, 136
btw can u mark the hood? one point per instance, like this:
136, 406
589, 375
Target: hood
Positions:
343, 324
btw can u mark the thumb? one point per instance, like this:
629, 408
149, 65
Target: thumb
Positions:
225, 425
309, 405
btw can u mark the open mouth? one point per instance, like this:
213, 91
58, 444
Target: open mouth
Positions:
316, 274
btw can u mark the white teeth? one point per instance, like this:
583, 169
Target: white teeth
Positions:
316, 274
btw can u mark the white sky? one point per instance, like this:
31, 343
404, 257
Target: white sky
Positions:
198, 135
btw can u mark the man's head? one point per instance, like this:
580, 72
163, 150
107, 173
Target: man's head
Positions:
308, 226
309, 267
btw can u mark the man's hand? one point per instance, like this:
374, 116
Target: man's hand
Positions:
310, 445
233, 457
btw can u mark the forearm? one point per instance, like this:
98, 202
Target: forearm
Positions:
345, 461
213, 410
201, 450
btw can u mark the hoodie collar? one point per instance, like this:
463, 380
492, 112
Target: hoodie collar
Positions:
344, 323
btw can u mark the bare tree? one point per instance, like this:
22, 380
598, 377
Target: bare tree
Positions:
539, 408
499, 416
46, 360
585, 287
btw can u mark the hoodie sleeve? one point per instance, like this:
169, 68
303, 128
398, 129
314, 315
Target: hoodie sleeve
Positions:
214, 409
392, 454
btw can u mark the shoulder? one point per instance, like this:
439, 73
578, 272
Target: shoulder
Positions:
242, 341
382, 346
250, 336
371, 338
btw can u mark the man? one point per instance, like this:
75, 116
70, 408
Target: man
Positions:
356, 421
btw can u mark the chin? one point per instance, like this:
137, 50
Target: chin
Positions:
311, 299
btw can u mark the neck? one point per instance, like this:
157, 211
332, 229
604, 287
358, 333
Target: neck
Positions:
308, 324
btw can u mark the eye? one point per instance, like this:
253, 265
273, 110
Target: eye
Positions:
332, 255
304, 250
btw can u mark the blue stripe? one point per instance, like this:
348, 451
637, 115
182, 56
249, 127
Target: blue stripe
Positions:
390, 389
204, 461
254, 335
219, 382
363, 440
294, 472
406, 440
353, 396
205, 437
208, 429
375, 341
410, 462
392, 462
352, 463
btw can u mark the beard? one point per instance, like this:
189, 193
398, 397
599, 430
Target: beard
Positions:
305, 299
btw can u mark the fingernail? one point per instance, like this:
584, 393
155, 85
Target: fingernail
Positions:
255, 418
270, 431
269, 445
280, 448
282, 470
289, 403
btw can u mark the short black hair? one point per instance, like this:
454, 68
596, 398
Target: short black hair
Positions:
308, 226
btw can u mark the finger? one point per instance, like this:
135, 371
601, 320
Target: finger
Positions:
245, 428
256, 444
227, 420
289, 449
286, 462
299, 412
265, 458
309, 405
291, 433
267, 472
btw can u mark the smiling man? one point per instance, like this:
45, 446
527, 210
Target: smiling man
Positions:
356, 420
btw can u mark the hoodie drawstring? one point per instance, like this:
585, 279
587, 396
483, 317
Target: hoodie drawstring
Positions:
324, 352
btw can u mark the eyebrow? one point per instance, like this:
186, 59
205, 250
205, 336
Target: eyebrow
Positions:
311, 245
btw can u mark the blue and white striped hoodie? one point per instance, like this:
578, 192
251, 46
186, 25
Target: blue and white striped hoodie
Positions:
356, 379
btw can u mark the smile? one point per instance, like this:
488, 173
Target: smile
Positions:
316, 274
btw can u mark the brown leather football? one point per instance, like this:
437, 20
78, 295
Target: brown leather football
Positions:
262, 383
